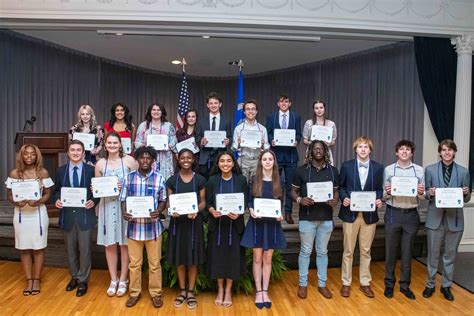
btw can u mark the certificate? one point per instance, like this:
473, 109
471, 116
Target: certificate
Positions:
73, 197
320, 191
183, 203
449, 197
188, 144
230, 203
87, 139
321, 133
363, 201
157, 141
127, 145
284, 137
140, 206
215, 139
26, 190
105, 186
251, 139
404, 186
267, 207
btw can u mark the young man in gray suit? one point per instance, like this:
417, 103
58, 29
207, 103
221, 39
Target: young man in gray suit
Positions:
444, 225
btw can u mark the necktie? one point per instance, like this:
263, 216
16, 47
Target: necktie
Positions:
447, 176
75, 177
284, 124
213, 126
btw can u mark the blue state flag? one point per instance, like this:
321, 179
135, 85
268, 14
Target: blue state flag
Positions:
239, 111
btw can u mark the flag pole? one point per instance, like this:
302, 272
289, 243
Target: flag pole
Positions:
183, 62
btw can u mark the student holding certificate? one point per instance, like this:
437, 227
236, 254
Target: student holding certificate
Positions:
156, 124
186, 232
77, 220
320, 119
189, 129
121, 122
315, 177
444, 226
250, 138
264, 235
87, 124
285, 120
28, 188
112, 228
225, 255
361, 179
144, 231
404, 187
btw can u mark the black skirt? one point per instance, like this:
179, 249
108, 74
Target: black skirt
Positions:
185, 241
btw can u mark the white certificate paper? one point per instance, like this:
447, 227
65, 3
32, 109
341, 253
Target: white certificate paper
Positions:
215, 139
188, 144
267, 207
184, 203
127, 145
230, 203
140, 206
363, 201
251, 139
105, 186
157, 141
73, 197
320, 191
449, 197
87, 139
321, 133
26, 190
284, 137
404, 186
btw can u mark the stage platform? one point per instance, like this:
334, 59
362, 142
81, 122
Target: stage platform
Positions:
54, 300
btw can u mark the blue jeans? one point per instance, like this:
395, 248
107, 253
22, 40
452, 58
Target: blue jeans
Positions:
309, 231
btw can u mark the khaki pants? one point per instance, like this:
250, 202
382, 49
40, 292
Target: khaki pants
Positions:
135, 252
248, 166
366, 233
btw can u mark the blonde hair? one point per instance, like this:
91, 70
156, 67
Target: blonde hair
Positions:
88, 108
363, 140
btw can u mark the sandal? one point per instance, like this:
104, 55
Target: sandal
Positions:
27, 291
191, 301
227, 303
267, 304
112, 290
179, 300
36, 290
219, 302
122, 288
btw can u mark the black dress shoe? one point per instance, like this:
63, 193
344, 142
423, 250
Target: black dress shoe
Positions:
408, 293
388, 292
81, 289
447, 293
71, 285
428, 292
289, 219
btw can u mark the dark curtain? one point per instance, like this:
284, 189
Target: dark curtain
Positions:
436, 61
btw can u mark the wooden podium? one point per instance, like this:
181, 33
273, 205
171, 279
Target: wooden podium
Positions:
50, 145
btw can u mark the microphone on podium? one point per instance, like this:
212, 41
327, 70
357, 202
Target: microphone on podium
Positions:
28, 127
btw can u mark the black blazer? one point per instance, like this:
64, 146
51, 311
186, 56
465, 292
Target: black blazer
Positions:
204, 125
350, 181
69, 216
284, 154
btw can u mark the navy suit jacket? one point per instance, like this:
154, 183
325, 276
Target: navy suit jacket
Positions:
69, 216
350, 181
204, 125
284, 154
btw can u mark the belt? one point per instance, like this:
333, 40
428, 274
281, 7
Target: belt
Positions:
403, 210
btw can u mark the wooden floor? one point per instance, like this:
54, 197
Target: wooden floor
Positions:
53, 300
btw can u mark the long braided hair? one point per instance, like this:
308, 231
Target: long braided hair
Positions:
309, 154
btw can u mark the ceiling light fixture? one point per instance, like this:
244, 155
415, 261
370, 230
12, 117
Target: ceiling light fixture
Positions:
206, 36
176, 62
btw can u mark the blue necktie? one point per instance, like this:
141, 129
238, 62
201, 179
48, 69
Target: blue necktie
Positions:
75, 177
284, 124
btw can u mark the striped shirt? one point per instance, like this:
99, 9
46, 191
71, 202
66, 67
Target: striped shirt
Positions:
153, 184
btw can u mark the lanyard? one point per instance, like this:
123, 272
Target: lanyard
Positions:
105, 174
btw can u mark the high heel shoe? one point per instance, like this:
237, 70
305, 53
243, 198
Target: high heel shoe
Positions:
35, 290
27, 291
267, 304
259, 305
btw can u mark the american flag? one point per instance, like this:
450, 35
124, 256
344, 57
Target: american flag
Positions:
183, 104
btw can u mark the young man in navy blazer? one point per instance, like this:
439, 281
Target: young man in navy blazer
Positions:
215, 121
77, 222
287, 156
359, 174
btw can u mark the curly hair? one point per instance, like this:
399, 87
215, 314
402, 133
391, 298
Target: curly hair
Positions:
309, 154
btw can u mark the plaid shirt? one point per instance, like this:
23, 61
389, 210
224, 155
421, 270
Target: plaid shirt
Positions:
153, 184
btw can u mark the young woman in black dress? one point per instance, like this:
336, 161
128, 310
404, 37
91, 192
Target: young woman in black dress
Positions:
264, 235
225, 256
186, 233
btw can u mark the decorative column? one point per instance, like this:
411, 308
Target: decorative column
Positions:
462, 112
